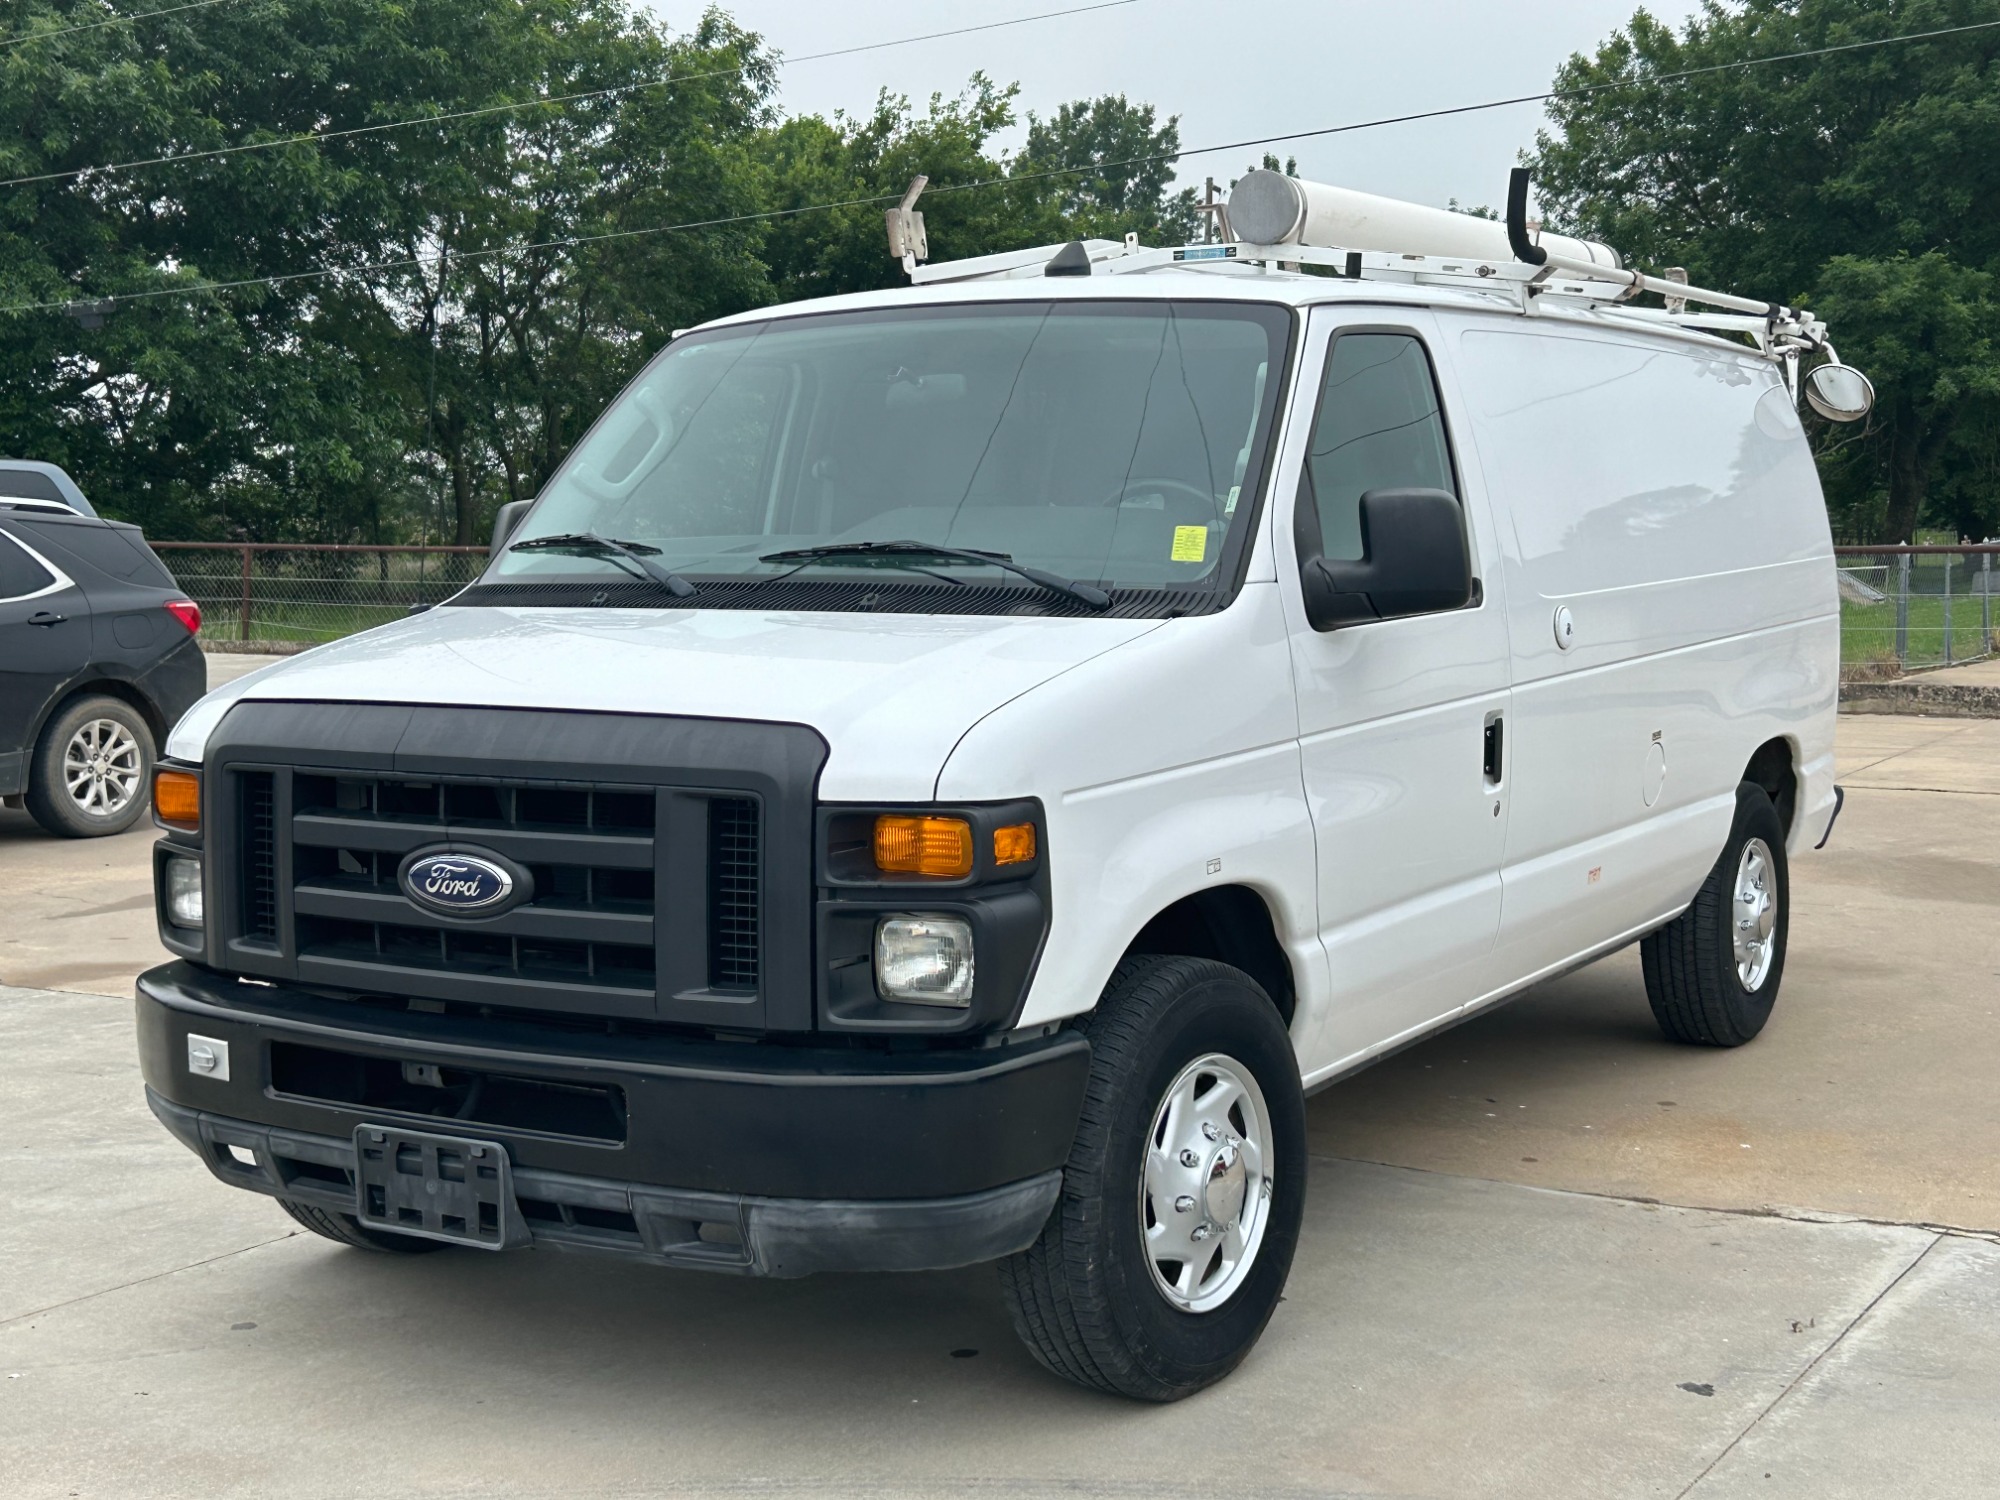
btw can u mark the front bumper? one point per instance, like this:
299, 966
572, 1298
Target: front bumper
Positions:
754, 1158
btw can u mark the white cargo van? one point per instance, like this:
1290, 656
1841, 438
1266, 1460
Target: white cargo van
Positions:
940, 775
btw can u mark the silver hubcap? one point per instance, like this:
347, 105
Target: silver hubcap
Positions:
1206, 1197
101, 768
1754, 910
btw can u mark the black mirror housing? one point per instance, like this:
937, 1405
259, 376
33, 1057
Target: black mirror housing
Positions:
1414, 561
505, 519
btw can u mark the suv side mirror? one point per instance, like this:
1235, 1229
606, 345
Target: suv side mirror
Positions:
1414, 561
505, 519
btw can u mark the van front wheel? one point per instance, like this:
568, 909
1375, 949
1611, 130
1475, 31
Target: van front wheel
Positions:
1182, 1197
1712, 973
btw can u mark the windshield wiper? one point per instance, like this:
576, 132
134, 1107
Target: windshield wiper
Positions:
590, 544
1083, 593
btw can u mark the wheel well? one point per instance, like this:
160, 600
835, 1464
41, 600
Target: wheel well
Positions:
107, 687
1232, 925
1771, 768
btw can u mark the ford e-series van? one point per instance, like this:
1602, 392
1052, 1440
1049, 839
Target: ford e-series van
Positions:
940, 775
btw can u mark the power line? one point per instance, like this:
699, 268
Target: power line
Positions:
315, 136
575, 241
144, 15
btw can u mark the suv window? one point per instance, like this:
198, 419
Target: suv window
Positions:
20, 574
92, 543
1379, 427
30, 484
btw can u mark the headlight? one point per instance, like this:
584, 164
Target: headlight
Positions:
183, 878
924, 960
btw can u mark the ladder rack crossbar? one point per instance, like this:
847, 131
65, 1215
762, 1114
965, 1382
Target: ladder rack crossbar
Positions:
1776, 330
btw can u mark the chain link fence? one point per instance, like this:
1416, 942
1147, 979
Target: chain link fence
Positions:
1900, 607
289, 596
1905, 607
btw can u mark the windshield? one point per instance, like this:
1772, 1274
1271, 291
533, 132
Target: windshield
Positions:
1110, 443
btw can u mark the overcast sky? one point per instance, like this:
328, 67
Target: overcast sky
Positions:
1229, 70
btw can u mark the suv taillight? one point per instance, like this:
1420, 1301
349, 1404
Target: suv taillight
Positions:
187, 612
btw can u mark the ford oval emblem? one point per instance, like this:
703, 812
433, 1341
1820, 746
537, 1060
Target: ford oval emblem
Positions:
458, 884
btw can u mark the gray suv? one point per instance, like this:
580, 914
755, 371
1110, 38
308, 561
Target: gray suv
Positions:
98, 656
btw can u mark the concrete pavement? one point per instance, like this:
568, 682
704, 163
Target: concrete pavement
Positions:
1485, 1302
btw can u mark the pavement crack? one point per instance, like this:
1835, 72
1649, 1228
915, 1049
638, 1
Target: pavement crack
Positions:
1767, 1211
142, 1280
1813, 1364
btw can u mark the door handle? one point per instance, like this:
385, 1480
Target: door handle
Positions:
46, 618
1492, 747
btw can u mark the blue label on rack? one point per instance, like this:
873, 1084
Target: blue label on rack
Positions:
1206, 252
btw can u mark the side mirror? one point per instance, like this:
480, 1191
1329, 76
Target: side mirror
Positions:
505, 519
1414, 561
1840, 393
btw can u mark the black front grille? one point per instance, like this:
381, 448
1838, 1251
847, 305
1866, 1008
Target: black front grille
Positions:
260, 856
734, 875
644, 854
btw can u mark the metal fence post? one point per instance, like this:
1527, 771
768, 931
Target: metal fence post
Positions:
1902, 606
1947, 609
246, 593
1985, 602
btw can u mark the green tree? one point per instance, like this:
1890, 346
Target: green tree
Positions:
302, 409
1858, 183
1115, 167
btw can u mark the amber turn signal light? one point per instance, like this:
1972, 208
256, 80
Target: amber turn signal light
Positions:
923, 846
177, 799
1014, 844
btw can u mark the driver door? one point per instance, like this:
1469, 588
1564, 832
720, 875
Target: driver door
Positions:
1401, 722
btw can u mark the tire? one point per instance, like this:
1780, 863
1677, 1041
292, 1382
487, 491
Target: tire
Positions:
345, 1229
92, 773
1085, 1297
1704, 990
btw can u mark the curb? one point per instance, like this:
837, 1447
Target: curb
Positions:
1943, 699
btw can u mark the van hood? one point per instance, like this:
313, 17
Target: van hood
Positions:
890, 694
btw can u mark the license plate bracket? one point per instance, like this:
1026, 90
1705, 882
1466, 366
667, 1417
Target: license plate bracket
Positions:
437, 1187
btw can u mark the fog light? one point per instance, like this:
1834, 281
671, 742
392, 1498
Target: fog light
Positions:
184, 892
925, 960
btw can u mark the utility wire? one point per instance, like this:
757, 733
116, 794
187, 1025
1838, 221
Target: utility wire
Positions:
573, 241
143, 15
484, 111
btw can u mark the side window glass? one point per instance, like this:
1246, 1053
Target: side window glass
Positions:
20, 574
1378, 428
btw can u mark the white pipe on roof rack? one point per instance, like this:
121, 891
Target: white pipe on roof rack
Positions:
1269, 208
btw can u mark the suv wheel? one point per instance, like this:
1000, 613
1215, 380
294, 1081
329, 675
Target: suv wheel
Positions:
1183, 1194
1712, 973
93, 769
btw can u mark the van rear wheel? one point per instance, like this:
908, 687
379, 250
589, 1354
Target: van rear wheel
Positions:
1184, 1191
1712, 973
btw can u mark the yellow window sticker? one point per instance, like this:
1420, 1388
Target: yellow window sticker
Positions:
1190, 543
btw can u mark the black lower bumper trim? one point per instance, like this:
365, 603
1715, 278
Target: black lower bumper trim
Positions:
750, 1236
